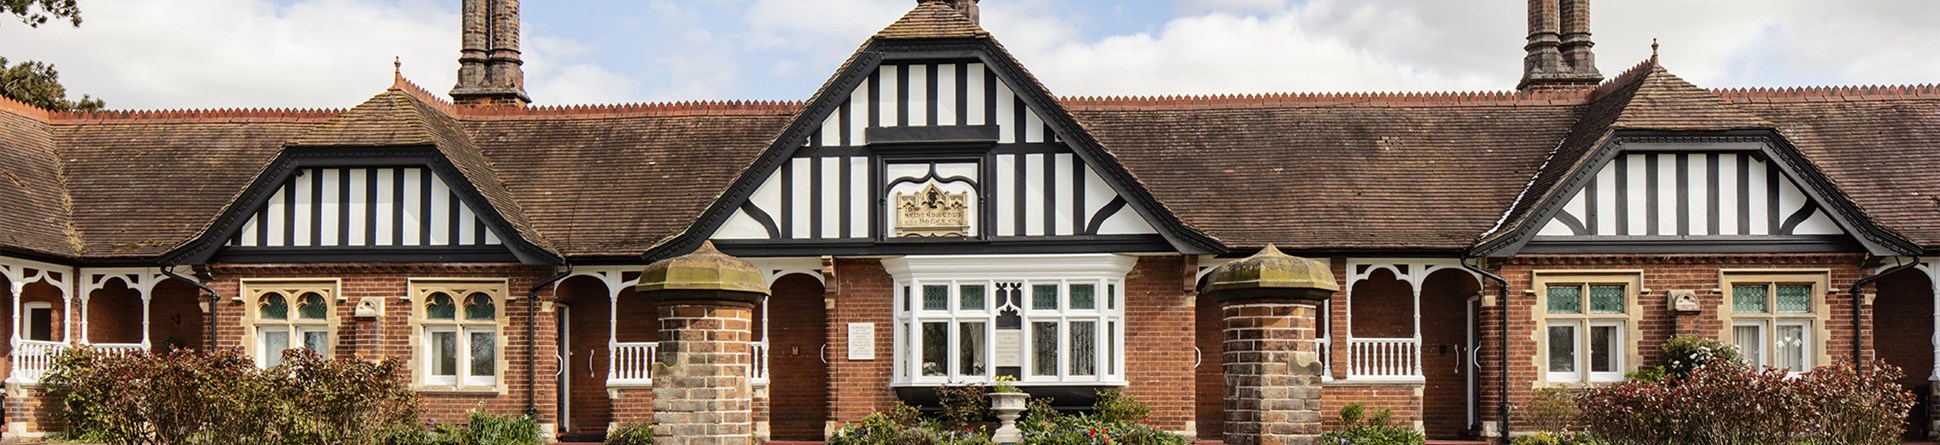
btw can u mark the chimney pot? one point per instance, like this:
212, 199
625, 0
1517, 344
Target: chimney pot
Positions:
489, 66
1559, 47
967, 7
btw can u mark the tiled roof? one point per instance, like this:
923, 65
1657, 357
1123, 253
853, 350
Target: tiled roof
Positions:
35, 218
1332, 172
933, 20
1880, 147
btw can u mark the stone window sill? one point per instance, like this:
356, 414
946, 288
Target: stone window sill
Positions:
458, 390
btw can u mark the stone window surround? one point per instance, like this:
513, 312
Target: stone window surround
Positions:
254, 289
458, 288
1632, 282
1820, 279
1064, 269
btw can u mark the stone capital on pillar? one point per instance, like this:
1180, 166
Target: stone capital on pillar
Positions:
702, 389
1268, 306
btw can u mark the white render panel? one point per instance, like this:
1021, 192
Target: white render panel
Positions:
440, 218
1097, 194
1006, 113
741, 226
859, 202
974, 90
1667, 175
919, 95
1634, 178
831, 190
332, 204
1606, 203
799, 189
412, 216
859, 115
1066, 195
278, 224
886, 98
1126, 222
1033, 166
386, 208
1006, 191
1760, 203
1698, 188
1728, 197
300, 220
359, 202
947, 86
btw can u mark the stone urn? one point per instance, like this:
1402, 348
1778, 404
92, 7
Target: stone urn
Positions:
1007, 405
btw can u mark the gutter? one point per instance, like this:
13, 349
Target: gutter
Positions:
1858, 320
1502, 349
169, 270
532, 341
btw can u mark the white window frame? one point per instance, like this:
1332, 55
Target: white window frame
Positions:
27, 320
293, 325
1813, 320
1106, 272
425, 352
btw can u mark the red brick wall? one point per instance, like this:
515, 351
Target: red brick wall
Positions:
1382, 306
390, 282
1159, 316
31, 412
862, 295
1209, 394
1903, 318
1404, 400
175, 312
1661, 273
113, 315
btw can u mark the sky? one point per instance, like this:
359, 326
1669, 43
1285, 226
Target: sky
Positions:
150, 54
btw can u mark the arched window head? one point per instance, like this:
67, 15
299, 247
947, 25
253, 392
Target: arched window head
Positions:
479, 306
312, 307
273, 307
440, 307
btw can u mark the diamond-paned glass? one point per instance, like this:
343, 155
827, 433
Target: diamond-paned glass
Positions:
480, 307
440, 307
1566, 299
1794, 298
1084, 296
311, 306
971, 296
1606, 299
1749, 298
936, 297
1044, 296
273, 307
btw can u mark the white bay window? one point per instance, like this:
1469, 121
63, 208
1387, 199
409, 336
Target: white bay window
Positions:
1049, 319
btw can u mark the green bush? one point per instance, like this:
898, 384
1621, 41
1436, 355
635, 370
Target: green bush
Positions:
185, 397
963, 406
487, 429
1084, 429
1114, 406
1552, 409
903, 425
639, 434
1734, 404
1357, 428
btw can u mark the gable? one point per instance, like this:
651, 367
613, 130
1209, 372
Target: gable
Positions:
1690, 194
1020, 177
1728, 192
364, 207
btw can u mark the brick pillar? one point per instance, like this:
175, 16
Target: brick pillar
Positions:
1272, 373
705, 301
700, 382
1267, 305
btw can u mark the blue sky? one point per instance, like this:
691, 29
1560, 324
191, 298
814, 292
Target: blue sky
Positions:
335, 53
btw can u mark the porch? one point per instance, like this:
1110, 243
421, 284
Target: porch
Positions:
51, 308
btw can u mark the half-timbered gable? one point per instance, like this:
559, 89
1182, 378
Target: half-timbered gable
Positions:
933, 134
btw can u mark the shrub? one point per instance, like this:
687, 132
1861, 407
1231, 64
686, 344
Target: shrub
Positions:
1726, 403
1082, 429
1550, 438
1357, 428
487, 429
1552, 409
902, 425
963, 406
1114, 406
184, 397
639, 434
1684, 353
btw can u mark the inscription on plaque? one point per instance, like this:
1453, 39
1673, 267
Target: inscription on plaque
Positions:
932, 213
862, 341
1009, 350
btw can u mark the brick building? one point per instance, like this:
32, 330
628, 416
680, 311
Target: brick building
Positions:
934, 215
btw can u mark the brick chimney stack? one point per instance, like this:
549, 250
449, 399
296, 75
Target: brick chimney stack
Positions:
489, 71
967, 7
1559, 47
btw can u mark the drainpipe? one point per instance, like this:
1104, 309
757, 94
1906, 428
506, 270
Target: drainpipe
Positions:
1502, 346
1858, 350
169, 271
532, 342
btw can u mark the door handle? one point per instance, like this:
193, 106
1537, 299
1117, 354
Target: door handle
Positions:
1198, 357
562, 365
590, 353
824, 353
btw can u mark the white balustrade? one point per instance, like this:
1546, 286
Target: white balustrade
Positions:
32, 359
633, 363
1325, 346
1384, 359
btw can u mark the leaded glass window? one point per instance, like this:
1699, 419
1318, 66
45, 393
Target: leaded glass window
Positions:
461, 340
289, 316
1040, 331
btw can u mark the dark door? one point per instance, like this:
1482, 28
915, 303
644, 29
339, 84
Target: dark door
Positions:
1445, 364
798, 391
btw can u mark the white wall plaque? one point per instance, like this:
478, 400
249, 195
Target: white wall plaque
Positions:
862, 341
1009, 350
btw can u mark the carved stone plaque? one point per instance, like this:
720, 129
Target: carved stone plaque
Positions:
933, 213
1009, 350
1684, 301
862, 341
